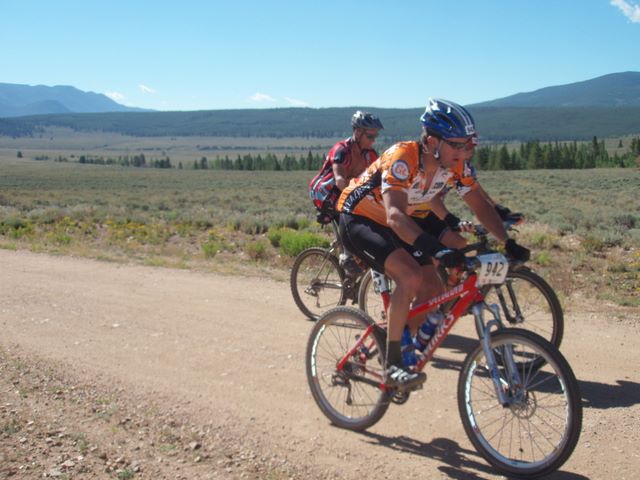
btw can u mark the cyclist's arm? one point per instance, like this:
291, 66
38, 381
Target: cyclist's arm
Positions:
486, 195
395, 204
436, 205
486, 213
340, 175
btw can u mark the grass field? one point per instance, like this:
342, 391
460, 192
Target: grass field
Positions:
583, 225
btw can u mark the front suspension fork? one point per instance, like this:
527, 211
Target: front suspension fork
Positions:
512, 376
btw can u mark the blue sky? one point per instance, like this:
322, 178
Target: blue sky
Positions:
195, 55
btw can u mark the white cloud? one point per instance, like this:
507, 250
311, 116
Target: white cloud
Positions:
630, 10
295, 102
146, 89
262, 97
115, 96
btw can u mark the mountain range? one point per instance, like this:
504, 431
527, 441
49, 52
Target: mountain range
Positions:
606, 106
613, 90
22, 100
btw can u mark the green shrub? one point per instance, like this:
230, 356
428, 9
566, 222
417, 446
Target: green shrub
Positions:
542, 258
274, 236
303, 223
543, 240
256, 250
215, 243
292, 242
625, 222
592, 244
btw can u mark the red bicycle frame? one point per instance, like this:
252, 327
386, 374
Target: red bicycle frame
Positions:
467, 294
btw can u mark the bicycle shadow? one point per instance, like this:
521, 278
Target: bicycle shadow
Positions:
456, 344
624, 393
459, 462
602, 396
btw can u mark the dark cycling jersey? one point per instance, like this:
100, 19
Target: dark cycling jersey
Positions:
322, 188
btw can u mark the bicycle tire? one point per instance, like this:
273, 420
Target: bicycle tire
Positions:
333, 335
538, 303
547, 412
317, 282
368, 300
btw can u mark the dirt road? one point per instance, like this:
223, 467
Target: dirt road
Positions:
220, 360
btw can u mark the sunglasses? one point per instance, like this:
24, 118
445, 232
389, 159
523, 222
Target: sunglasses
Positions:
466, 145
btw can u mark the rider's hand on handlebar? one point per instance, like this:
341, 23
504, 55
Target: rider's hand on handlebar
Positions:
450, 258
457, 225
516, 252
466, 226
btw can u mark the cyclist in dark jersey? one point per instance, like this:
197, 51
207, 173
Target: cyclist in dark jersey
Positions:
378, 222
346, 160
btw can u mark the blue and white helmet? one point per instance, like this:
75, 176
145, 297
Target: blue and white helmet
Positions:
447, 119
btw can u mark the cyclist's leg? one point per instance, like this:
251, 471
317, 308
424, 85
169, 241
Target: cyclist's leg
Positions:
407, 275
382, 250
431, 284
453, 239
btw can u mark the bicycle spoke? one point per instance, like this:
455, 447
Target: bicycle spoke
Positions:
536, 431
342, 395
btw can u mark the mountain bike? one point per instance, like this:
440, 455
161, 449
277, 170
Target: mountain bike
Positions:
517, 396
319, 282
526, 299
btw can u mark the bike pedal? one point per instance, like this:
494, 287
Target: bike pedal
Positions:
400, 398
414, 388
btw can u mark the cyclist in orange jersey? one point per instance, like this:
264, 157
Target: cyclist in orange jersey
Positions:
380, 221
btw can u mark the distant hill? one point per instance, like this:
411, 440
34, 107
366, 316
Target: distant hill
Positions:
22, 100
581, 116
613, 90
494, 124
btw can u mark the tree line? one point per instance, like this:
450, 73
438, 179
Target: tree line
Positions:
536, 155
497, 124
528, 156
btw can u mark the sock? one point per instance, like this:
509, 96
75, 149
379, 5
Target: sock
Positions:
394, 354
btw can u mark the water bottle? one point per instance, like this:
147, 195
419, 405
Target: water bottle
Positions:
427, 329
407, 347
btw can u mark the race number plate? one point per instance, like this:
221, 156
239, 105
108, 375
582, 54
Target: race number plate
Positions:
493, 269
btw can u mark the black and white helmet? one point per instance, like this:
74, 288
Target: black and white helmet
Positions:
365, 120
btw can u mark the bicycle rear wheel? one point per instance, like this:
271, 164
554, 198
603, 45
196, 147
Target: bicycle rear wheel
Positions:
527, 301
317, 282
350, 398
539, 428
369, 300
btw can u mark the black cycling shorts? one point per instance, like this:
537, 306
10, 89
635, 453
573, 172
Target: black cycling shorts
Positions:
432, 225
373, 243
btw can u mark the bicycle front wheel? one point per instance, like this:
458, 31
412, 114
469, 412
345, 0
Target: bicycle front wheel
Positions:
537, 430
527, 301
317, 282
350, 396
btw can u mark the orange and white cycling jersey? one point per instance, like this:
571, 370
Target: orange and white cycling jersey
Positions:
400, 168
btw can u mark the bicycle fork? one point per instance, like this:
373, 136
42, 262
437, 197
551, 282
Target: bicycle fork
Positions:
504, 388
